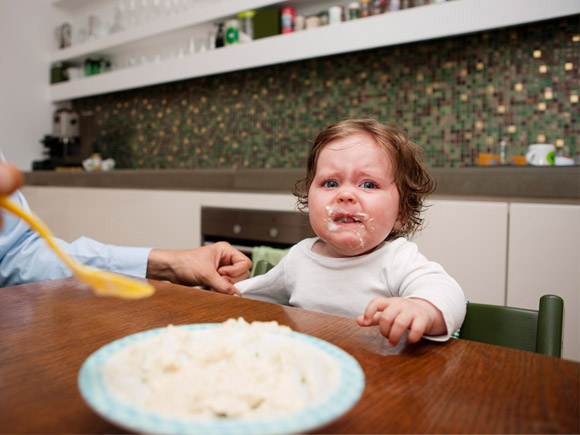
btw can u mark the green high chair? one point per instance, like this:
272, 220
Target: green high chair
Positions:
537, 331
261, 267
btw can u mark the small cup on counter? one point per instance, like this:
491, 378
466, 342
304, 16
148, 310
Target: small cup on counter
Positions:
541, 154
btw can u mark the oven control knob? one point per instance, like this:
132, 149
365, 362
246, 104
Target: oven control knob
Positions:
273, 232
237, 229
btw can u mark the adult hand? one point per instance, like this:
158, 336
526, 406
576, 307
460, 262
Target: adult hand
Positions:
217, 266
10, 180
395, 315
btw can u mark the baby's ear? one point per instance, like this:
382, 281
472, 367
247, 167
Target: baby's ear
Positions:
400, 222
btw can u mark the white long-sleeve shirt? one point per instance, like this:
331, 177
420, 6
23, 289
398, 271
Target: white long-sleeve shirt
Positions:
345, 286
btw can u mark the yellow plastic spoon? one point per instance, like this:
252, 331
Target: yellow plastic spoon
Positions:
103, 283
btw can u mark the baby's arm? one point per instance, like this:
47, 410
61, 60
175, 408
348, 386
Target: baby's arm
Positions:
270, 287
395, 315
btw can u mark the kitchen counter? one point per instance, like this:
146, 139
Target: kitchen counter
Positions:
531, 183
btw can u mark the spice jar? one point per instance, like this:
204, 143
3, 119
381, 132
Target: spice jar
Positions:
335, 15
378, 7
312, 22
364, 9
299, 23
353, 11
232, 31
287, 20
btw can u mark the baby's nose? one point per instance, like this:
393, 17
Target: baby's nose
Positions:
346, 195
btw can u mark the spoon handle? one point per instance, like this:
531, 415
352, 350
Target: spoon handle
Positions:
39, 226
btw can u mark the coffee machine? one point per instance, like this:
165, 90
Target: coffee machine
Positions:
71, 142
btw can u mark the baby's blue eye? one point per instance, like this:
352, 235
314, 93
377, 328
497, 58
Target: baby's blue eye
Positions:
330, 183
368, 185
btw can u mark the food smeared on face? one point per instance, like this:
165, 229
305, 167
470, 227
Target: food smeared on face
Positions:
353, 201
338, 219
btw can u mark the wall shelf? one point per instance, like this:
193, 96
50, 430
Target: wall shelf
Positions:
410, 25
157, 27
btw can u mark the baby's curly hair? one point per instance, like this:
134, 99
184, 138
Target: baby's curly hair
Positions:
412, 178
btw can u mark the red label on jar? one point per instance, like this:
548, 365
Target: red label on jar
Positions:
287, 20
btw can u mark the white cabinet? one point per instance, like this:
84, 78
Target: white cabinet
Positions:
420, 23
544, 258
469, 239
136, 217
149, 218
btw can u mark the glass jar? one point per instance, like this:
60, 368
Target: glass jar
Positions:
364, 9
247, 24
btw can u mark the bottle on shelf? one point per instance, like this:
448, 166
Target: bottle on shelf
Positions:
502, 152
335, 14
299, 23
353, 11
232, 31
220, 39
365, 10
377, 7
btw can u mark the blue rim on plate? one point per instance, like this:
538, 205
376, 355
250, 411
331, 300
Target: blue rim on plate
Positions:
95, 392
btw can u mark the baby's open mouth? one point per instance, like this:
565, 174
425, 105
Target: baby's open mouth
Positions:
346, 219
343, 217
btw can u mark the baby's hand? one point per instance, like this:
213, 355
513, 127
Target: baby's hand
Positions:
395, 315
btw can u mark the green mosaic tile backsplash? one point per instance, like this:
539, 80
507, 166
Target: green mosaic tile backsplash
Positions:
457, 97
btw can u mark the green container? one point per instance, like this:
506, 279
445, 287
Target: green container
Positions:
266, 23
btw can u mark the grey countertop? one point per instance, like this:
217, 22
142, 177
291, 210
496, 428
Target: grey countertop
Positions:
522, 182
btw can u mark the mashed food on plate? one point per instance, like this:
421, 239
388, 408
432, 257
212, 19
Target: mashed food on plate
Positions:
237, 369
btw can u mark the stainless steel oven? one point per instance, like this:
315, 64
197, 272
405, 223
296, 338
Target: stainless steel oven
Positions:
245, 229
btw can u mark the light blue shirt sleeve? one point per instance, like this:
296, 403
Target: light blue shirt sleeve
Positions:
25, 257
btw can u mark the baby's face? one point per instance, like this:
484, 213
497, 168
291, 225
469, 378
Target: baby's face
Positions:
353, 202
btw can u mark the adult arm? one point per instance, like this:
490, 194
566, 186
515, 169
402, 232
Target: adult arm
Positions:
217, 266
25, 257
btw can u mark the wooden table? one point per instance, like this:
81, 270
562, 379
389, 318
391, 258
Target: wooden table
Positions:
48, 330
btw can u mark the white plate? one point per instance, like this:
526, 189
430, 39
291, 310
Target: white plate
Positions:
99, 397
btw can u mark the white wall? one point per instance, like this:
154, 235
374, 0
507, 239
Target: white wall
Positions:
544, 258
26, 38
469, 239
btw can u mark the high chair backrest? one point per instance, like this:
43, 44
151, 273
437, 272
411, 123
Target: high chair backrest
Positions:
261, 267
537, 331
